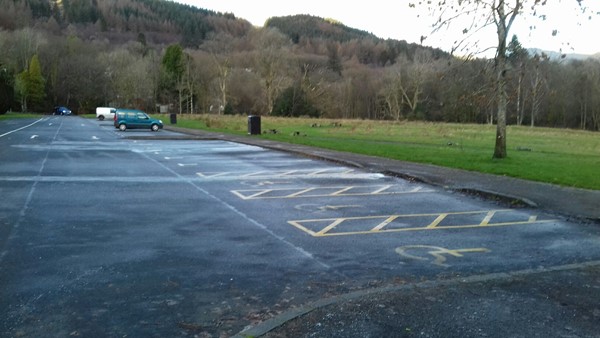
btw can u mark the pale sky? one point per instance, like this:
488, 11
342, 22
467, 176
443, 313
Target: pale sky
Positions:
394, 19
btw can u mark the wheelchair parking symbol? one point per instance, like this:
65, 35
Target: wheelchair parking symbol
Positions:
435, 254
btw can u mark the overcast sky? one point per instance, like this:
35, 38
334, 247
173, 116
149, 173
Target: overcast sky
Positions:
394, 19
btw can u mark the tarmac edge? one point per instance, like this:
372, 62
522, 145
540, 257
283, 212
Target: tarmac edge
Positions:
277, 321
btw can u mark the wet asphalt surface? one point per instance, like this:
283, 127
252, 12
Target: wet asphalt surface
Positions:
557, 303
140, 234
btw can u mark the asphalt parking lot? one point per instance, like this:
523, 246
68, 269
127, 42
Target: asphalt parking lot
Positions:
109, 233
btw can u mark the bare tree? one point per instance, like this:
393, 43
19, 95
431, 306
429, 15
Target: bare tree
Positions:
594, 83
538, 86
271, 63
223, 67
221, 48
392, 95
585, 91
202, 77
27, 43
480, 14
130, 75
518, 57
418, 73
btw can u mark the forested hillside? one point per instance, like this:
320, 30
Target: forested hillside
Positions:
156, 54
158, 20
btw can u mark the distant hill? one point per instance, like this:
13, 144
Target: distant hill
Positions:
566, 56
297, 26
371, 49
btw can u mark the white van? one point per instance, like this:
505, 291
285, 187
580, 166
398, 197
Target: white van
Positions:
105, 113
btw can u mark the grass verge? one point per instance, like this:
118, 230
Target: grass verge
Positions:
9, 116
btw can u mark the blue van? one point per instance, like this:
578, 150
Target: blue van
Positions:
135, 119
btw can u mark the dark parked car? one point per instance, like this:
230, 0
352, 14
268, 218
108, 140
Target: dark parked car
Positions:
61, 111
133, 118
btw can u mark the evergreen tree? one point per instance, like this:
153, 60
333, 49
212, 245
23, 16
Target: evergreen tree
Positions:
30, 86
174, 66
173, 62
334, 62
517, 57
293, 102
6, 90
515, 51
36, 84
21, 93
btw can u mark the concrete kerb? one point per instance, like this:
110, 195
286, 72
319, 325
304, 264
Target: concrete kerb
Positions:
271, 324
507, 198
512, 200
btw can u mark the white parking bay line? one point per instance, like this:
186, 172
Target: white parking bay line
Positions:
16, 130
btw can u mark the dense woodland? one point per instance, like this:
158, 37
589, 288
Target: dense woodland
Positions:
163, 56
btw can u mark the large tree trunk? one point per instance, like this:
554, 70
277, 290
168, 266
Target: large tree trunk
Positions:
583, 109
500, 148
503, 22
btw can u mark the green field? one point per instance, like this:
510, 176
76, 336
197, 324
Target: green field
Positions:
9, 116
558, 156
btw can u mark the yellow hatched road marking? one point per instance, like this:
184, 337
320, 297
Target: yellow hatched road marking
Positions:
298, 225
384, 223
287, 173
314, 173
337, 223
212, 174
300, 192
341, 191
380, 190
323, 192
259, 193
437, 221
488, 218
276, 173
329, 227
258, 173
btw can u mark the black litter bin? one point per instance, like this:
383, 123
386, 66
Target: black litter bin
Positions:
173, 118
253, 125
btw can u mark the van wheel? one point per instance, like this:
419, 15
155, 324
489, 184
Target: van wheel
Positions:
122, 127
154, 127
101, 117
